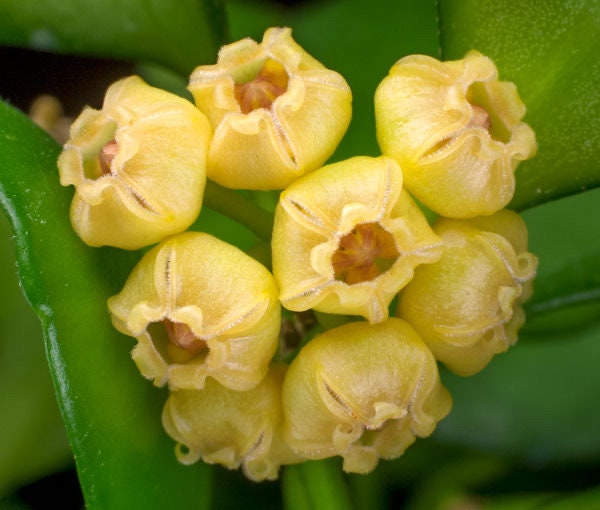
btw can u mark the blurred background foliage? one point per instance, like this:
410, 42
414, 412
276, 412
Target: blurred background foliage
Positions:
523, 434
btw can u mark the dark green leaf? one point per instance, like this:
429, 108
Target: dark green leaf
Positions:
180, 35
34, 442
124, 458
584, 500
549, 49
536, 402
567, 287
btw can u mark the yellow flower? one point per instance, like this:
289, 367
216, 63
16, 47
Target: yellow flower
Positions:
467, 307
347, 238
455, 130
276, 112
231, 428
138, 166
199, 308
363, 392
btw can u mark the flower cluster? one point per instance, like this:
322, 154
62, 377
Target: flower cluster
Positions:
348, 238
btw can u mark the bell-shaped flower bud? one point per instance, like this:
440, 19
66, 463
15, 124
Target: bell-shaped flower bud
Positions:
348, 237
456, 132
362, 392
231, 428
199, 308
467, 307
276, 112
138, 166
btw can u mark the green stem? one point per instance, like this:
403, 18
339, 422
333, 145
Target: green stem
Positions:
368, 492
262, 253
239, 208
316, 485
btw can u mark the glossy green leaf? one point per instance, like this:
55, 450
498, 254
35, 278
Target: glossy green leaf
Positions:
179, 35
584, 500
537, 401
124, 458
549, 49
34, 442
589, 499
567, 287
566, 299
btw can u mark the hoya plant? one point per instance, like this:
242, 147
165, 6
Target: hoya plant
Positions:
308, 255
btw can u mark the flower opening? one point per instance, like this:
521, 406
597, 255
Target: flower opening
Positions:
367, 251
260, 92
347, 238
106, 156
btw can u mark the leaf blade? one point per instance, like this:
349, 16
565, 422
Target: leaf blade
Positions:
124, 458
179, 35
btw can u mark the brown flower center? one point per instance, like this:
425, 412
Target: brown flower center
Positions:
180, 335
269, 84
480, 117
364, 253
107, 154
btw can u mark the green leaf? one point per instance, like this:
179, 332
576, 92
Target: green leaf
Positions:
180, 35
113, 416
538, 400
549, 49
584, 500
567, 287
34, 442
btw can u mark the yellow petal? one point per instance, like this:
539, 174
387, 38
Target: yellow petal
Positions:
231, 428
354, 383
456, 132
320, 210
226, 299
268, 146
154, 183
467, 306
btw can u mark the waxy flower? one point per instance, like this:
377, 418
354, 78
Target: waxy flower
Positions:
276, 112
138, 166
455, 130
363, 392
199, 308
467, 307
347, 238
231, 428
